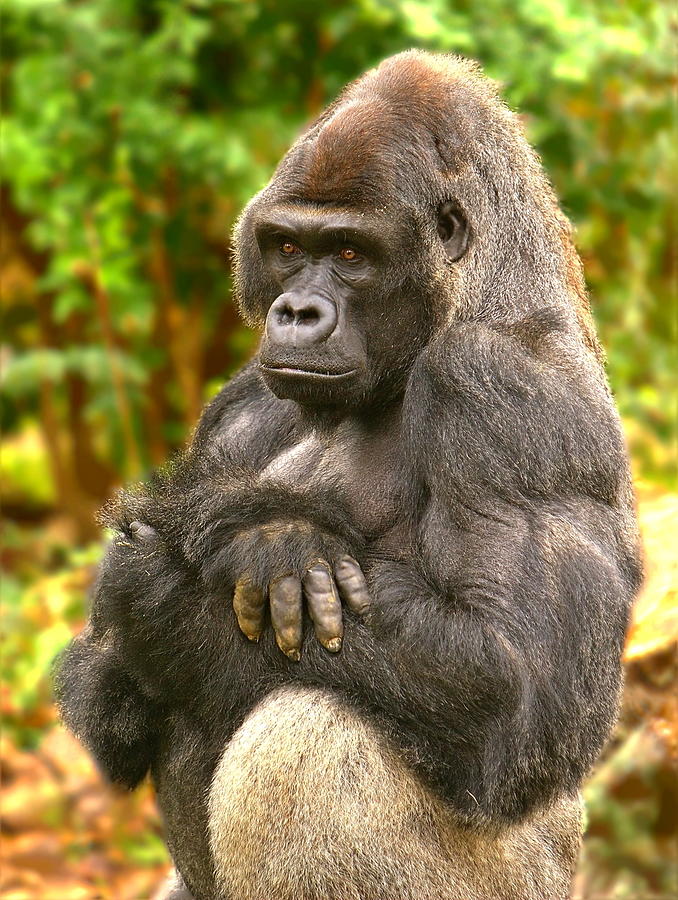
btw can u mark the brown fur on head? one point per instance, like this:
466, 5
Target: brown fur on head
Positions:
412, 133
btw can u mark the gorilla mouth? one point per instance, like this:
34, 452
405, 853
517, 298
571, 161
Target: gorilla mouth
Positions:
309, 374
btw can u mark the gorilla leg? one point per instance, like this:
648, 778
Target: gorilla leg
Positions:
308, 803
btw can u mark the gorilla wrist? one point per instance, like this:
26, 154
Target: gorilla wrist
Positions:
273, 550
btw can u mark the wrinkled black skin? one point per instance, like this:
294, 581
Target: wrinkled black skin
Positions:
478, 476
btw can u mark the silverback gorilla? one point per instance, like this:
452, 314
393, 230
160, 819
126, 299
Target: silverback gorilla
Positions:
366, 632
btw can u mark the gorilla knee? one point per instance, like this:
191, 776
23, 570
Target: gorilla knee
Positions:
301, 796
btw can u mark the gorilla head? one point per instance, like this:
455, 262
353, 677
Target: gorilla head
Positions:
338, 257
414, 197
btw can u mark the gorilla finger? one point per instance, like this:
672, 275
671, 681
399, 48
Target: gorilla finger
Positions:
286, 615
324, 606
144, 534
248, 604
352, 585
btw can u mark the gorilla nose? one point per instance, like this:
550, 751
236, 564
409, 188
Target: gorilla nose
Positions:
300, 321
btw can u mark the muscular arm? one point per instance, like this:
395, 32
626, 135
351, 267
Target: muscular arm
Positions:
496, 649
115, 680
503, 684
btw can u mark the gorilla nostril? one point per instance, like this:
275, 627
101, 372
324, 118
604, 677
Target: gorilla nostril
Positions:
285, 315
289, 314
308, 316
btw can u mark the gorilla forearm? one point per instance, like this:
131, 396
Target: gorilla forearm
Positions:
409, 665
105, 708
477, 684
457, 672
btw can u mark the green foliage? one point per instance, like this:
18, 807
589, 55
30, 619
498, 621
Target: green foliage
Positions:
136, 131
24, 475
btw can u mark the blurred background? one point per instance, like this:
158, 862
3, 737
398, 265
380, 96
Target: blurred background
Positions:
134, 132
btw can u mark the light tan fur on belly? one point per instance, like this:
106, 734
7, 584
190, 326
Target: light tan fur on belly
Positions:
308, 803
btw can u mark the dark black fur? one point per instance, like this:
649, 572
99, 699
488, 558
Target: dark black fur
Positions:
474, 467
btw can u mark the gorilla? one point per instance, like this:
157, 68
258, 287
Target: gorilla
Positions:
365, 633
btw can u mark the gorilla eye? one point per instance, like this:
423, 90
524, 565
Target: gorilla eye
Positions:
287, 248
349, 254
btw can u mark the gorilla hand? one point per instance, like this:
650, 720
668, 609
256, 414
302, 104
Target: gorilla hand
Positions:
288, 563
283, 564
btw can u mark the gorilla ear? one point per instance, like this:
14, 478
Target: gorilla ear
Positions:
452, 230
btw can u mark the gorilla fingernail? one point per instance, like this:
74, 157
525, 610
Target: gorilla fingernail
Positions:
141, 532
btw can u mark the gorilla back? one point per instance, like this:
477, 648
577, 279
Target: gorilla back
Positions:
366, 632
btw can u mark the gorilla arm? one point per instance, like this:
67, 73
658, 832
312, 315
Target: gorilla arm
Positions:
104, 702
102, 686
500, 692
493, 657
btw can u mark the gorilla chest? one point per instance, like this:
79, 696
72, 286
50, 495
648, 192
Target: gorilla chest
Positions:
354, 465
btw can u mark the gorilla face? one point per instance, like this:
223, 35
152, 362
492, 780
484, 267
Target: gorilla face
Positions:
351, 304
328, 266
344, 259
